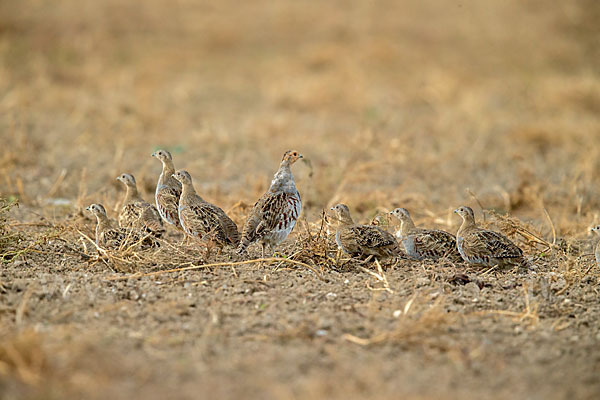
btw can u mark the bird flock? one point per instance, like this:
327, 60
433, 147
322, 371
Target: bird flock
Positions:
178, 204
274, 216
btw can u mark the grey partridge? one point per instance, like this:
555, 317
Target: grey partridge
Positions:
201, 219
107, 236
422, 243
275, 214
596, 230
363, 240
484, 247
168, 189
135, 212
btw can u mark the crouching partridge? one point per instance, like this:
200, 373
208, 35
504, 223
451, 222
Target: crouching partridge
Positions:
363, 241
115, 238
484, 247
422, 243
135, 212
201, 219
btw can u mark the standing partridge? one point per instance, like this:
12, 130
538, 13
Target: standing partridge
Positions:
484, 247
364, 241
201, 219
168, 189
275, 214
596, 230
135, 212
422, 243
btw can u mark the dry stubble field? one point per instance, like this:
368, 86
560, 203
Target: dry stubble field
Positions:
421, 104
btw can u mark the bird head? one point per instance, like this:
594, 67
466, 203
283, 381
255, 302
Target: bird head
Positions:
162, 155
127, 179
183, 176
291, 156
401, 213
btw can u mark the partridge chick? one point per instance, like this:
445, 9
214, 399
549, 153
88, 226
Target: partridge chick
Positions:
168, 189
136, 213
275, 214
422, 243
201, 219
484, 247
363, 240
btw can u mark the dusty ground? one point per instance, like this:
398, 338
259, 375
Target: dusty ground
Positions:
420, 104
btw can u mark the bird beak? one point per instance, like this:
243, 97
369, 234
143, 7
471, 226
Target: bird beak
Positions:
332, 208
455, 211
88, 209
153, 154
300, 156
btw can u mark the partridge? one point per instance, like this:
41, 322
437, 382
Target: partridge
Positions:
422, 243
596, 230
363, 240
136, 213
106, 235
168, 190
201, 219
484, 247
275, 214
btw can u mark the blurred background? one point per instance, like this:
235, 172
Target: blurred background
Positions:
393, 102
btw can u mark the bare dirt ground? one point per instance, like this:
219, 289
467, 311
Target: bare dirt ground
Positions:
422, 104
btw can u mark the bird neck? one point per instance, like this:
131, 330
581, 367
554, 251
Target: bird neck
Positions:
168, 169
345, 220
283, 180
188, 190
406, 227
467, 224
131, 195
103, 223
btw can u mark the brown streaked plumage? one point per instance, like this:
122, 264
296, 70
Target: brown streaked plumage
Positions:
201, 219
168, 190
422, 243
484, 247
363, 240
275, 214
135, 212
114, 238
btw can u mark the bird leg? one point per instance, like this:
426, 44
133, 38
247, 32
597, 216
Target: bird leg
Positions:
185, 241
